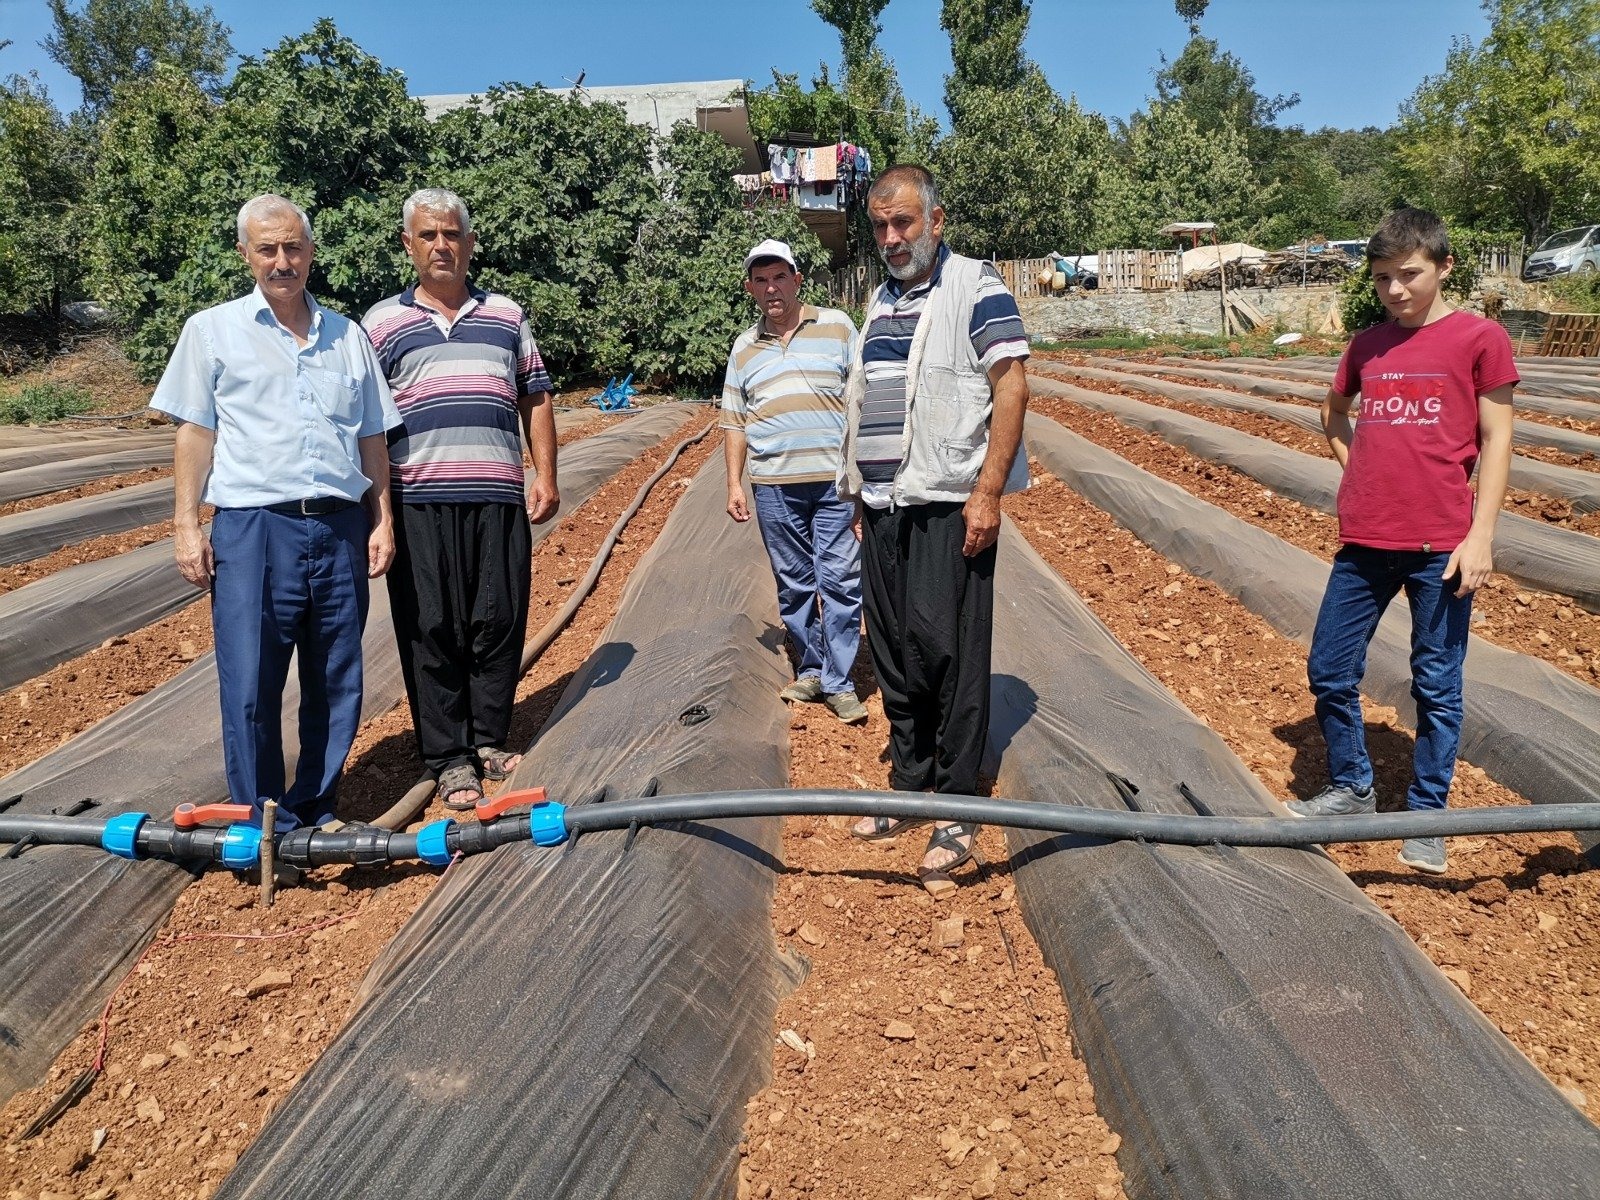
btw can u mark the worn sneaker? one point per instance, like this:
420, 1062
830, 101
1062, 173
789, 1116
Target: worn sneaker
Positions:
802, 690
1335, 801
1425, 854
847, 708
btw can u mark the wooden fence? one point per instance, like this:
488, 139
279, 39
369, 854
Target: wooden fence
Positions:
1140, 270
1021, 275
1501, 260
852, 287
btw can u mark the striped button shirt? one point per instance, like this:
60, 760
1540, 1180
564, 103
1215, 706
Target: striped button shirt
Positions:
996, 332
789, 400
456, 384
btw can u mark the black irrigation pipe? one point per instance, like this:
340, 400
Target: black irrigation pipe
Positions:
401, 812
137, 835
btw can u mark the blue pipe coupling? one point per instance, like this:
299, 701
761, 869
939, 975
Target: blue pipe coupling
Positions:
121, 834
548, 823
241, 847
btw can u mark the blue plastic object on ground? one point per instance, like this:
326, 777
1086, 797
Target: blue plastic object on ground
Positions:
616, 395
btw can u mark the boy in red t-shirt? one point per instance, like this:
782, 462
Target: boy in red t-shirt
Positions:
1435, 387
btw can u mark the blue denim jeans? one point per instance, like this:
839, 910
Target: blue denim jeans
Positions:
1362, 584
815, 556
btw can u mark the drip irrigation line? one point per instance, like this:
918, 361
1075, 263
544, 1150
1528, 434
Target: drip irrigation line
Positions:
136, 835
403, 810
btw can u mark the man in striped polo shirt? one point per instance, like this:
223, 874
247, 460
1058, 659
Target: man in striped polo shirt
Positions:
783, 411
934, 413
465, 373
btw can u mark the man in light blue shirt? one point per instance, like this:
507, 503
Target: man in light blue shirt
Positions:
282, 412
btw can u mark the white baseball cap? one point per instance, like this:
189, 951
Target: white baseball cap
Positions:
771, 248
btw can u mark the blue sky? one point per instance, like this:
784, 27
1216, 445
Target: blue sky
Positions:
1352, 61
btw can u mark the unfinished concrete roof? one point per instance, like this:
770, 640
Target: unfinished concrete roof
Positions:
714, 105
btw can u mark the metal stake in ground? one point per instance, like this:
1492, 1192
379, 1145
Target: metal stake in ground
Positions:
269, 827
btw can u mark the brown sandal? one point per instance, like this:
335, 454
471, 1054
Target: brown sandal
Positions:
457, 779
496, 763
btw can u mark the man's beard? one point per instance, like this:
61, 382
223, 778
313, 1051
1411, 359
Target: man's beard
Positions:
923, 251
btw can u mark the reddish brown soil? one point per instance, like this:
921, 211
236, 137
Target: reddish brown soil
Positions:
108, 546
1515, 918
1550, 509
109, 484
229, 1058
985, 1098
38, 716
1585, 462
1537, 623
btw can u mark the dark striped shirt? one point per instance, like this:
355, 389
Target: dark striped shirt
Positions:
456, 385
996, 333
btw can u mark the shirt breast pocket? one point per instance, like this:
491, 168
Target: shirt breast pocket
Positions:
338, 397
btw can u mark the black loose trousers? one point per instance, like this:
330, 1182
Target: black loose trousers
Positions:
930, 615
459, 594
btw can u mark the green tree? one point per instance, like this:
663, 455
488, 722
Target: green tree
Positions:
1506, 134
1191, 11
315, 119
986, 39
868, 107
114, 41
1022, 172
1218, 91
43, 165
1174, 172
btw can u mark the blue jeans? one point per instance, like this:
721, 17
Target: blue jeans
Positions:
806, 528
288, 585
1362, 584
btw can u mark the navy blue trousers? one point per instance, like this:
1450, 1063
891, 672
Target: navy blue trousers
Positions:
288, 586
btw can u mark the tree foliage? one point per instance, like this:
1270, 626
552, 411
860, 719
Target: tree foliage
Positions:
1506, 134
1174, 172
620, 268
986, 51
112, 42
43, 162
1023, 172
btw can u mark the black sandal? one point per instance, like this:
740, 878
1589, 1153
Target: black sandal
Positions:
949, 838
884, 828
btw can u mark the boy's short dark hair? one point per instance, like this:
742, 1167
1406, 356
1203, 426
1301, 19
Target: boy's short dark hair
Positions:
1406, 231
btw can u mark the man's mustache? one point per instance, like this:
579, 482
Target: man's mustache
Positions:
284, 273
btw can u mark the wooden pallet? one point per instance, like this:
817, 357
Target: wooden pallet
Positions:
1571, 335
1140, 270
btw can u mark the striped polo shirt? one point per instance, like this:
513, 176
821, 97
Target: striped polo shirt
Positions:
456, 384
996, 332
789, 400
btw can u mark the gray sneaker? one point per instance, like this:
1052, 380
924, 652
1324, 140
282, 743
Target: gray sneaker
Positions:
803, 690
1335, 801
847, 708
1425, 854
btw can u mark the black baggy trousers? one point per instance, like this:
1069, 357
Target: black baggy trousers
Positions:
930, 613
459, 594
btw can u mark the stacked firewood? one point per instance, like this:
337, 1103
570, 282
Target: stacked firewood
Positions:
1282, 269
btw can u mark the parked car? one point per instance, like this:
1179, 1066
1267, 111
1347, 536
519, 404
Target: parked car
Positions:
1573, 251
1355, 250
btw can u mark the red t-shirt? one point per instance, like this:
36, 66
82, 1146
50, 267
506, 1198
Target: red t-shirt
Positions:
1416, 435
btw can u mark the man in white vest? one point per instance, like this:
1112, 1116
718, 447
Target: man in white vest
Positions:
933, 424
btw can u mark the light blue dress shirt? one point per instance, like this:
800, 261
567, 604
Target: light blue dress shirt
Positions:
287, 417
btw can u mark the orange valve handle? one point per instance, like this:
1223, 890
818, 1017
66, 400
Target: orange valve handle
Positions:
187, 816
487, 809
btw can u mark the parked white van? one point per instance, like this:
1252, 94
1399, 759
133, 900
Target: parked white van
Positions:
1572, 251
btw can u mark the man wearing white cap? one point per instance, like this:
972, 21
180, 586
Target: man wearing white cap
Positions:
783, 413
